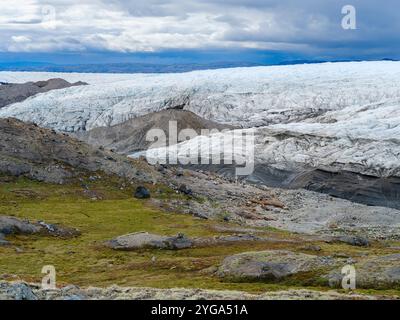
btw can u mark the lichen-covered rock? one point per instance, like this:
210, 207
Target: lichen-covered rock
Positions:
145, 240
12, 226
271, 265
34, 292
16, 291
353, 240
380, 272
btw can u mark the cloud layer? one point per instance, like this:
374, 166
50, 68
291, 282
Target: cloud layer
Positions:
308, 26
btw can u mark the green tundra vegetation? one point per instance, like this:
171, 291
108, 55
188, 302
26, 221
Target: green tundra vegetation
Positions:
104, 209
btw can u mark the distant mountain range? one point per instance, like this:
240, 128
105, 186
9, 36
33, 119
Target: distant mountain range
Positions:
119, 67
142, 67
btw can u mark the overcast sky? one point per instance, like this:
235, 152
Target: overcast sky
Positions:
309, 28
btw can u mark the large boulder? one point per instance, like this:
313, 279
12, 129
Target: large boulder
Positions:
353, 240
142, 193
13, 226
380, 272
271, 265
145, 240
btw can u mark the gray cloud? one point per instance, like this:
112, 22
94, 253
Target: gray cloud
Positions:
129, 26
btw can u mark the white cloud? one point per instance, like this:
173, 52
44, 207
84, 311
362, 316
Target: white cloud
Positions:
20, 39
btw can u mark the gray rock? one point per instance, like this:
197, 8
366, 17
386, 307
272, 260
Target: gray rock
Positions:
312, 248
142, 193
143, 240
11, 225
271, 265
73, 297
185, 190
353, 240
3, 241
238, 238
380, 272
16, 291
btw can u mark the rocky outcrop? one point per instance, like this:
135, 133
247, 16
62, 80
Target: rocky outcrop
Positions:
11, 93
11, 225
145, 240
15, 226
375, 272
353, 240
381, 272
271, 265
45, 155
25, 291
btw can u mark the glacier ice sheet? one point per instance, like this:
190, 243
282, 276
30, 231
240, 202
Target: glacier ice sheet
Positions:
335, 116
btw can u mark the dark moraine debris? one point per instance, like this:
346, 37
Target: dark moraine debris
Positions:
369, 190
364, 189
130, 136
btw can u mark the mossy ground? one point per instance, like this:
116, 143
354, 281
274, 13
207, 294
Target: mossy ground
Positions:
85, 261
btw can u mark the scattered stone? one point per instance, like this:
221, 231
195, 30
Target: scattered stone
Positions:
142, 193
271, 265
56, 230
145, 240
